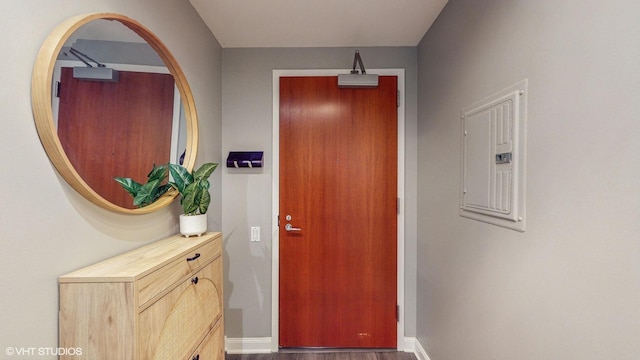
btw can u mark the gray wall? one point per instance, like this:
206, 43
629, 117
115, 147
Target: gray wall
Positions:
247, 125
46, 228
568, 287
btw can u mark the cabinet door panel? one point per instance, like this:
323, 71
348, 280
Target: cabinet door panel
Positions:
212, 347
173, 326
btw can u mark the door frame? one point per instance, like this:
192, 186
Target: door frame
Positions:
275, 240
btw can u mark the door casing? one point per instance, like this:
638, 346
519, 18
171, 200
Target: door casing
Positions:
276, 193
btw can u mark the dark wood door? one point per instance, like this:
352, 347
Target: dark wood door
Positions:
338, 186
110, 129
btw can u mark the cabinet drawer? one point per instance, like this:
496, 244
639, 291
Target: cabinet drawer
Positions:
174, 326
163, 278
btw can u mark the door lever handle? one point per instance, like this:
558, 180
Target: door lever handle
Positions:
290, 227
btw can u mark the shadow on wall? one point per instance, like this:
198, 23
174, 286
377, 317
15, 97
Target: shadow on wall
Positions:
253, 298
231, 315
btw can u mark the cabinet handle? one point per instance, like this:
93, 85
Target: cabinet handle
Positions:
194, 280
193, 258
197, 357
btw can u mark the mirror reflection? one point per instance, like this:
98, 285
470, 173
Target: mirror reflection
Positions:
116, 108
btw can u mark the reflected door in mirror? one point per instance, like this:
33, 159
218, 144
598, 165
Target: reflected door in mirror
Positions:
121, 128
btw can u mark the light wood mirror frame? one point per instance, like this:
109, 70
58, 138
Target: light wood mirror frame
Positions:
41, 92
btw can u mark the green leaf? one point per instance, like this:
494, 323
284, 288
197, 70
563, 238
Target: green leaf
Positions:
204, 183
157, 173
181, 177
194, 188
205, 199
147, 193
131, 186
190, 202
204, 171
162, 189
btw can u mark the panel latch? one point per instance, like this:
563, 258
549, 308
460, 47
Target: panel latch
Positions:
503, 158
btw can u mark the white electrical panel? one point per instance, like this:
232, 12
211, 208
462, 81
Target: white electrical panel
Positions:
493, 158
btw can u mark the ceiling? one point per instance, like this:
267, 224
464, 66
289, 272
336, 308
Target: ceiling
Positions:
318, 23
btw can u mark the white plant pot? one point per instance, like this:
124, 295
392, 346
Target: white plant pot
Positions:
193, 225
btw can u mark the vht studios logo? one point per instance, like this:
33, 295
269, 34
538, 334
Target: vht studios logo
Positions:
42, 351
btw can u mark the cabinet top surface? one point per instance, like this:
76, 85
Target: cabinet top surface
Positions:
136, 263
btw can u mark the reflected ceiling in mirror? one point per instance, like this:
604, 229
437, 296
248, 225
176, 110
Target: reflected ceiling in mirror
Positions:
92, 135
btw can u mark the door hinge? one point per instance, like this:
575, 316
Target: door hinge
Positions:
398, 206
398, 98
278, 221
397, 313
58, 86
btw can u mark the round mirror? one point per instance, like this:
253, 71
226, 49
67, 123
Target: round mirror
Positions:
111, 106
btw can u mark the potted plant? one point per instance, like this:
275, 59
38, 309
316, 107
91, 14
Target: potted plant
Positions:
195, 198
146, 194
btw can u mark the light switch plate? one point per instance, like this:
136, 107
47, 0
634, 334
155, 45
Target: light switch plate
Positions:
255, 233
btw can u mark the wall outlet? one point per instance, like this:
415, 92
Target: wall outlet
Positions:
255, 233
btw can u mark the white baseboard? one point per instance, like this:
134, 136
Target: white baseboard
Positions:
421, 354
262, 345
409, 345
248, 345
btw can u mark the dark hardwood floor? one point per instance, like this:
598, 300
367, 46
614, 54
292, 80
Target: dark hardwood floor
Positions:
326, 355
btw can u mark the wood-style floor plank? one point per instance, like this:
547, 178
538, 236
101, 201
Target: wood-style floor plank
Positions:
325, 355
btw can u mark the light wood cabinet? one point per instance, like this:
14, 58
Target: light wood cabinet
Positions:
161, 301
